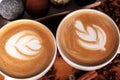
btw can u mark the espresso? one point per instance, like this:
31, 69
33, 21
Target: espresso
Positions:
87, 38
26, 48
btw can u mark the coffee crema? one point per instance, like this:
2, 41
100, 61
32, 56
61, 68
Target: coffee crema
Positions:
87, 38
26, 48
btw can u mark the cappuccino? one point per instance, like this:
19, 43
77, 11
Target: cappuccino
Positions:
27, 48
87, 38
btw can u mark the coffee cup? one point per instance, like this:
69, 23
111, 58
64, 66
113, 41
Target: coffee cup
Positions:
27, 50
88, 39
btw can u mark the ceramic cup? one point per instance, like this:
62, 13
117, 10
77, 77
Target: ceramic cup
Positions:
88, 39
27, 50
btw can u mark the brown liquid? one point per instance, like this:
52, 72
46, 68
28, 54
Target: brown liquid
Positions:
35, 64
80, 54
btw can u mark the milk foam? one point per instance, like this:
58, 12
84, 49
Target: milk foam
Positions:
92, 38
22, 45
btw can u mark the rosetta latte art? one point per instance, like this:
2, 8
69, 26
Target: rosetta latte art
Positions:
22, 45
93, 38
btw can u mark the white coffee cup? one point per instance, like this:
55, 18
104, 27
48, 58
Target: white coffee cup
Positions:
39, 75
72, 63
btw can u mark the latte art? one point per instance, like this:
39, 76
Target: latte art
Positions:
87, 38
23, 44
27, 49
93, 38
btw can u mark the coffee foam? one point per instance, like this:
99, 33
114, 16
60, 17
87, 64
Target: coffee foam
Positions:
93, 38
87, 38
27, 48
22, 44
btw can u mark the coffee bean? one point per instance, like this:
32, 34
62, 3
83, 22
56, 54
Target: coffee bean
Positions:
112, 8
111, 75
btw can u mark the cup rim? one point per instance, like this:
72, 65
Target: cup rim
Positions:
49, 66
83, 67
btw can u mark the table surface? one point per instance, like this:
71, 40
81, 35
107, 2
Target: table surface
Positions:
61, 70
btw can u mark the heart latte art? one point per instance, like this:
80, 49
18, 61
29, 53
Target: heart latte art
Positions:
87, 38
27, 48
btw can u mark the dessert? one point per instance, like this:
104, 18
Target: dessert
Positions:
60, 3
11, 9
37, 8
